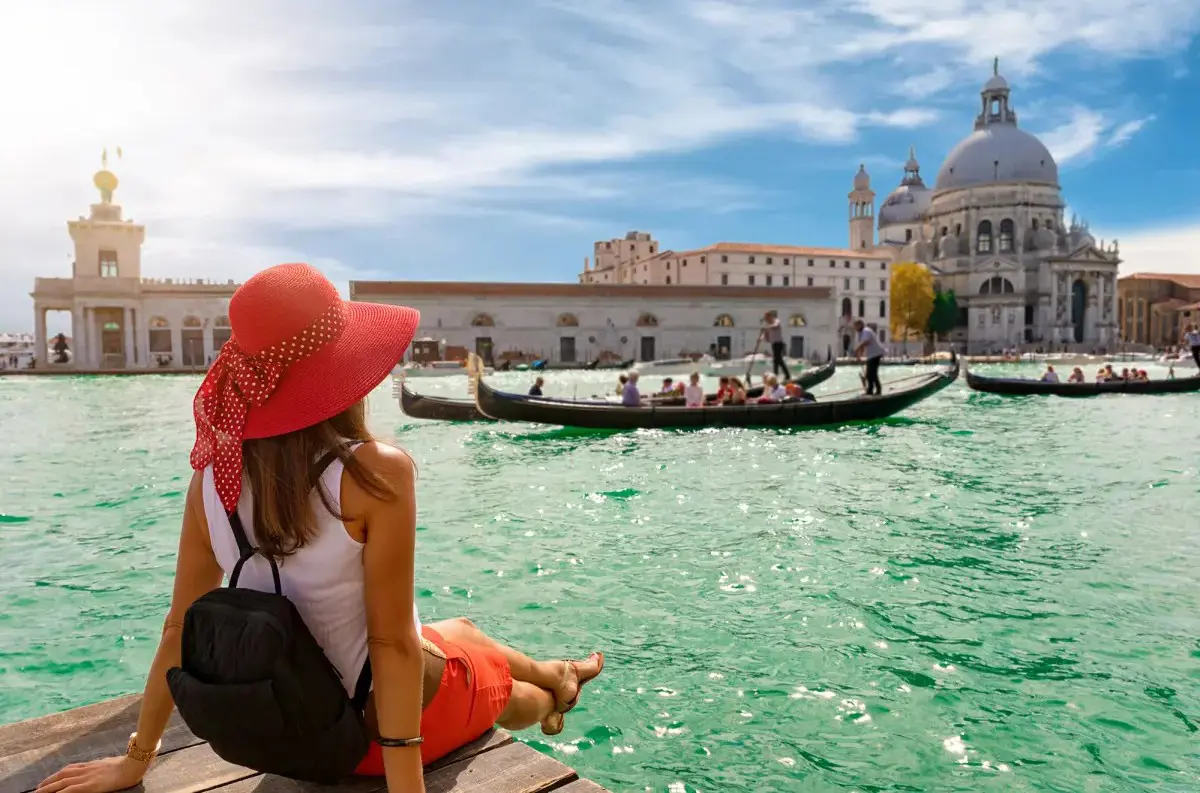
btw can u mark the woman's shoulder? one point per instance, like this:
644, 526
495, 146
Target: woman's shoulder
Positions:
386, 460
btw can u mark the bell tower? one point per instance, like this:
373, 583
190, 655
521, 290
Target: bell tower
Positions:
862, 212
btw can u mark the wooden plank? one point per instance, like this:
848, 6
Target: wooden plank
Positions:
509, 769
581, 786
493, 739
32, 750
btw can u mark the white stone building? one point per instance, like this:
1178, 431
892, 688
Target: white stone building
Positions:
992, 230
120, 320
579, 322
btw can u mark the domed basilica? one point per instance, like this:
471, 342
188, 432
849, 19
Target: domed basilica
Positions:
992, 230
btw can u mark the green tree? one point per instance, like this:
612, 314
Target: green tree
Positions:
944, 315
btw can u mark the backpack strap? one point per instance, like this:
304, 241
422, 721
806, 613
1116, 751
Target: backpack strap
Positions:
246, 551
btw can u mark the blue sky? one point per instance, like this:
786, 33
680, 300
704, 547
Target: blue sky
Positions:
496, 141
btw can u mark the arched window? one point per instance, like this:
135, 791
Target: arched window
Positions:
862, 307
191, 321
1006, 235
882, 309
158, 323
483, 321
1035, 224
221, 332
647, 320
796, 321
847, 308
995, 286
983, 237
568, 321
723, 321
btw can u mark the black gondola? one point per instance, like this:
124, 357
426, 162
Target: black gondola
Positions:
421, 406
808, 379
1019, 386
788, 414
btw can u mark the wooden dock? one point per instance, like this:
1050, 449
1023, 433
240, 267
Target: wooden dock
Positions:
32, 750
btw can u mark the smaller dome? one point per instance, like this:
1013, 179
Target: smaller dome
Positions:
862, 179
996, 83
906, 204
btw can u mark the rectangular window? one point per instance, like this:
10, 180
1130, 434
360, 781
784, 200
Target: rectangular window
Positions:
770, 260
847, 265
768, 280
786, 281
703, 259
846, 283
724, 259
108, 264
724, 279
832, 263
862, 284
751, 281
862, 265
751, 260
810, 281
883, 265
786, 262
882, 285
810, 262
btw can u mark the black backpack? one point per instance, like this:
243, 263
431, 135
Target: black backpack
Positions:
255, 684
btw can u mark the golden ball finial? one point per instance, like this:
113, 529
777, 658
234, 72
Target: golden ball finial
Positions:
106, 182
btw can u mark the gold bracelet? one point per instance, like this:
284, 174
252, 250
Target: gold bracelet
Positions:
140, 755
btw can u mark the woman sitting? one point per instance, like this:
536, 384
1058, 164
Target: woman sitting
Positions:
289, 482
1076, 376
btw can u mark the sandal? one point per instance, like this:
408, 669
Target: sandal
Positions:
567, 707
557, 720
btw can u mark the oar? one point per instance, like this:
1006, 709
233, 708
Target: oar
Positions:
753, 358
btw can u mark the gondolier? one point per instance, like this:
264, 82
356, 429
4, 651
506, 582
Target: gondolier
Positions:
869, 348
1192, 338
772, 333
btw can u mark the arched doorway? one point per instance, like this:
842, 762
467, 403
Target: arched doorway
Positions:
1078, 308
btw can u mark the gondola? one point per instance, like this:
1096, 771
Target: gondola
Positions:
786, 415
806, 380
420, 406
1018, 386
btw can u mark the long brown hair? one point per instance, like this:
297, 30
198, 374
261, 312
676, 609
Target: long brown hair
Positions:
283, 470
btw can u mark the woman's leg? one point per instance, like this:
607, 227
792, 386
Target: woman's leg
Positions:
527, 705
560, 677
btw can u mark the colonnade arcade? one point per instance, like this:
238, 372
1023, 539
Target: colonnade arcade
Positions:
120, 337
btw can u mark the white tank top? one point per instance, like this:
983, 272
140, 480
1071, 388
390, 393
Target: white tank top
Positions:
324, 579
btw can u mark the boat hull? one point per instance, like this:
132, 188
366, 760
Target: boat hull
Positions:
1012, 386
785, 415
419, 406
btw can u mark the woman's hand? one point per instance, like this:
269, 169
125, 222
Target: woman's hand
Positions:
98, 776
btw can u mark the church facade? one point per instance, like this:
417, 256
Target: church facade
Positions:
992, 229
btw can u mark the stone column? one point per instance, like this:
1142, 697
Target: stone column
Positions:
40, 341
127, 332
88, 356
176, 347
207, 341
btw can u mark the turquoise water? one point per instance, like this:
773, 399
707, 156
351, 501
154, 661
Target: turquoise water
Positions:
981, 594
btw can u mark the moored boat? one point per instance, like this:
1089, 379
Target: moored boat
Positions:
787, 414
1019, 386
435, 408
432, 369
808, 379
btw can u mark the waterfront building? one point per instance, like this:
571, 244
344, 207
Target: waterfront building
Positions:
120, 320
1155, 308
575, 323
992, 229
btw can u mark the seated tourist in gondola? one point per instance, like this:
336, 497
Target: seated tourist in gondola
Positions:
621, 381
1050, 376
1126, 374
670, 387
1076, 376
772, 390
630, 396
722, 391
796, 392
536, 388
736, 394
693, 392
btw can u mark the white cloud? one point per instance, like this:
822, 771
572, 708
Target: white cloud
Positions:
246, 125
1168, 249
1077, 138
1123, 133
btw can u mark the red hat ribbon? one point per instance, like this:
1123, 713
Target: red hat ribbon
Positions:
238, 381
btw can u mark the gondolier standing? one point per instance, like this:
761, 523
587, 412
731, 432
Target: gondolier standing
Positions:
772, 333
1192, 338
869, 348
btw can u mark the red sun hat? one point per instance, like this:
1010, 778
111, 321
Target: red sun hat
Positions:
298, 355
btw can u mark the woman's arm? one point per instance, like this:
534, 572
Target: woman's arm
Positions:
196, 572
397, 663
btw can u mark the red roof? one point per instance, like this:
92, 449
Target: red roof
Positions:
1186, 280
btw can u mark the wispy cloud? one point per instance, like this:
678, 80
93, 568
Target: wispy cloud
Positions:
1124, 132
248, 126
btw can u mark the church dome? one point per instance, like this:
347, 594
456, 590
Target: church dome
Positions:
998, 150
908, 202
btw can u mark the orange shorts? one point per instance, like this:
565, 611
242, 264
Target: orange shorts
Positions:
474, 691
